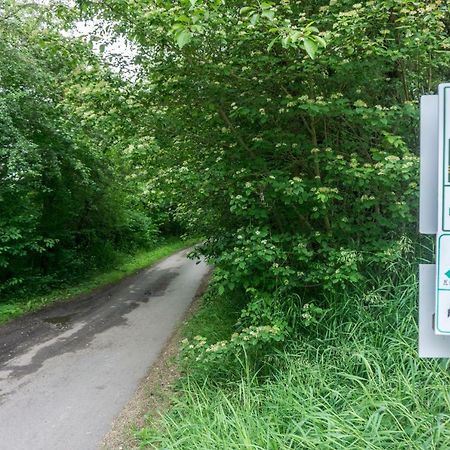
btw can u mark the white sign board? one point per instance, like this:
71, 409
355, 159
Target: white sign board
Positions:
431, 345
442, 311
434, 336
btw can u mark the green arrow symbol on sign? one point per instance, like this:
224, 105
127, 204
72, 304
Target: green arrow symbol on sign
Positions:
447, 274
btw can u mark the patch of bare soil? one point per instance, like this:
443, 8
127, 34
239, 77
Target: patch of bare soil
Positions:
154, 394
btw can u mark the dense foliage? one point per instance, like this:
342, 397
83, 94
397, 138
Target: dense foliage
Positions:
288, 133
63, 205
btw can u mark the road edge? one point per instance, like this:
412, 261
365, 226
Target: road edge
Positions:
153, 394
94, 292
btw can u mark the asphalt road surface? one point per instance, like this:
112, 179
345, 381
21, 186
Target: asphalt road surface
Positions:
66, 372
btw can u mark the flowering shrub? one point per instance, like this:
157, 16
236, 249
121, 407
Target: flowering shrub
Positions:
289, 135
220, 355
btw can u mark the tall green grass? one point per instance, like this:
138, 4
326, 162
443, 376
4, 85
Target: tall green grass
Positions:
355, 382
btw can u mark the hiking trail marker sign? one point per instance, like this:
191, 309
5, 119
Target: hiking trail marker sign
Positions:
442, 322
434, 289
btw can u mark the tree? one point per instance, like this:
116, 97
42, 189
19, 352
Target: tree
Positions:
63, 206
288, 130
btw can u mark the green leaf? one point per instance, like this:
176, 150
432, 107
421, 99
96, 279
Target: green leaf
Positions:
246, 10
285, 41
322, 42
270, 14
310, 47
183, 18
254, 19
177, 26
183, 38
266, 5
294, 36
272, 42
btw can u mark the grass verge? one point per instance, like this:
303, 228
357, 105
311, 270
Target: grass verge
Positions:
123, 267
354, 382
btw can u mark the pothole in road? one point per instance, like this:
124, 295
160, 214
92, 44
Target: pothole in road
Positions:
59, 321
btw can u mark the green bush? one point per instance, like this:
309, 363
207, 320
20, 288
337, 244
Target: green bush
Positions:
65, 206
286, 132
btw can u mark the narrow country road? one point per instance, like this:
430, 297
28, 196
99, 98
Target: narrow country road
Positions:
66, 372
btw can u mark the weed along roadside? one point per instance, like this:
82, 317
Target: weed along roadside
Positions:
286, 135
355, 372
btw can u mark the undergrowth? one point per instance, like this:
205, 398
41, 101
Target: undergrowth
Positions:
353, 382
